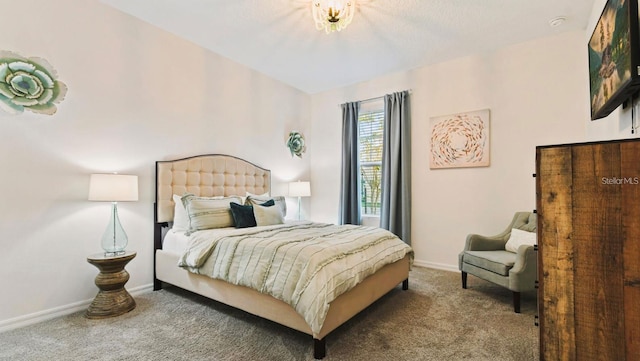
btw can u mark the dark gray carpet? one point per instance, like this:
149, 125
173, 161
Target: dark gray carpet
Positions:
434, 320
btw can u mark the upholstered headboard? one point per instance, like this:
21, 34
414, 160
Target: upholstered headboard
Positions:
206, 175
203, 175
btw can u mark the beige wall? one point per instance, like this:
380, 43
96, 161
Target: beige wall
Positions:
136, 95
537, 93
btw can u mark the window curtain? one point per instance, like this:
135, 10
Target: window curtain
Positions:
395, 207
350, 174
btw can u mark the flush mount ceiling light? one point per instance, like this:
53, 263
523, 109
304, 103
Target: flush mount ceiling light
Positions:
332, 15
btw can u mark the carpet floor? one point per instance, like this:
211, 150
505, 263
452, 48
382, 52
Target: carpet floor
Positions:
434, 320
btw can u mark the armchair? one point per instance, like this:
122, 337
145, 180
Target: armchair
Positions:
485, 257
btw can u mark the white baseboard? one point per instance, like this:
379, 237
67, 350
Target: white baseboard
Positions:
44, 315
440, 266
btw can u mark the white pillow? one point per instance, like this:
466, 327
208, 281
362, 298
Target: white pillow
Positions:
280, 201
519, 237
266, 216
247, 195
180, 217
208, 212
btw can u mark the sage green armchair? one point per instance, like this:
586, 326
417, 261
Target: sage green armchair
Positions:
485, 257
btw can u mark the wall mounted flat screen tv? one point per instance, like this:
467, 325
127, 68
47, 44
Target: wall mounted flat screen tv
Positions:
614, 57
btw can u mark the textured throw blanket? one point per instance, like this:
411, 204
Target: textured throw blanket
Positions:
306, 265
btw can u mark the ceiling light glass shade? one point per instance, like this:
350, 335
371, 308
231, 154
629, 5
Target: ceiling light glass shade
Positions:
332, 15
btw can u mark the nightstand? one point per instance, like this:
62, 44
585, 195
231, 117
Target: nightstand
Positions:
112, 299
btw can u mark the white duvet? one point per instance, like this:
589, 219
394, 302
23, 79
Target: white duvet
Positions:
306, 265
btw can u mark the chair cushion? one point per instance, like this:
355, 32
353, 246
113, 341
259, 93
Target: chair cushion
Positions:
499, 262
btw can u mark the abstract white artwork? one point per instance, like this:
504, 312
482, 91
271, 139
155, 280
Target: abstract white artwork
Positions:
460, 140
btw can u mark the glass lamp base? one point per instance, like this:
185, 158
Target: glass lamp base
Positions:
114, 239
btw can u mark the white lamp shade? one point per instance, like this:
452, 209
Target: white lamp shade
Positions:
113, 187
299, 189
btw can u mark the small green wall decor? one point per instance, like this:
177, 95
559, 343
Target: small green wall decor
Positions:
28, 83
295, 143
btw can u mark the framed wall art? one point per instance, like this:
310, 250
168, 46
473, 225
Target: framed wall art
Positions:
614, 57
460, 140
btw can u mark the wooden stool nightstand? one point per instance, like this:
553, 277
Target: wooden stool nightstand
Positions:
112, 299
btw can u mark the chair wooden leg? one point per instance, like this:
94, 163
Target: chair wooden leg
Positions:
464, 280
516, 301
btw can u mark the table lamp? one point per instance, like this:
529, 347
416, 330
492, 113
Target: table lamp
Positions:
113, 188
299, 189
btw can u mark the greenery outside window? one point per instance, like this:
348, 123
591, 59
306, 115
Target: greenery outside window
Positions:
370, 133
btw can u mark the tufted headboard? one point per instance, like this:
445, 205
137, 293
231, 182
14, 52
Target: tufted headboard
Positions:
207, 176
204, 175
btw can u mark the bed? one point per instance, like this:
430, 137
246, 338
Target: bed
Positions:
224, 176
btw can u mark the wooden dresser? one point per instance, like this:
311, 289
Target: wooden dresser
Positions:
588, 205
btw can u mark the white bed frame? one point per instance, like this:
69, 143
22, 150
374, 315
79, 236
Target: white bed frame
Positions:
224, 175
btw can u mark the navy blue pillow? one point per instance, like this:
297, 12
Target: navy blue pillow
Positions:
243, 215
268, 203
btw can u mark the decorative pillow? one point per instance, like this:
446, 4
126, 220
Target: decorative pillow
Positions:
266, 216
208, 212
243, 215
261, 196
252, 200
180, 216
519, 237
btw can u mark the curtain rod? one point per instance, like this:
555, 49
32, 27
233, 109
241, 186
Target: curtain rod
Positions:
372, 99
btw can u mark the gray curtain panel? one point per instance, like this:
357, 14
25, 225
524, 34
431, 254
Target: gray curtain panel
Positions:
395, 212
349, 195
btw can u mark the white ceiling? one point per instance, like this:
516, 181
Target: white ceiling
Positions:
278, 37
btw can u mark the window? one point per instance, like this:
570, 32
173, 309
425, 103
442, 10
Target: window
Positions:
370, 132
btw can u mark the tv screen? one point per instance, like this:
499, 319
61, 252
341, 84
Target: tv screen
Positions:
614, 54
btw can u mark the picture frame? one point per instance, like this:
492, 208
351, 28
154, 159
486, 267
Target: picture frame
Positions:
460, 140
614, 57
